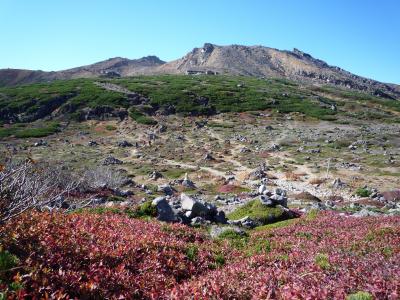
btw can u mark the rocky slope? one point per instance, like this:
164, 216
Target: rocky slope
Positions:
268, 62
113, 67
257, 61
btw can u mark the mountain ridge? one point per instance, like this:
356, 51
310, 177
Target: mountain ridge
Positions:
258, 60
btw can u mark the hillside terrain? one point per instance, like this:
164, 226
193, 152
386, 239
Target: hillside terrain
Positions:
258, 61
199, 186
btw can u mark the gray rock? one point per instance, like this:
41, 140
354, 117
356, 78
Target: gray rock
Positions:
124, 144
197, 221
166, 188
220, 217
164, 210
338, 183
246, 222
92, 144
365, 213
110, 160
262, 189
155, 175
197, 208
266, 200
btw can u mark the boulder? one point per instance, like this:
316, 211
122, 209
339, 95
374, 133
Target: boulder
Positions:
111, 160
155, 175
220, 217
164, 210
187, 182
124, 144
197, 221
266, 200
166, 188
246, 222
196, 207
365, 213
262, 189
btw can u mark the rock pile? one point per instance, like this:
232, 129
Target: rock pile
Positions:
187, 210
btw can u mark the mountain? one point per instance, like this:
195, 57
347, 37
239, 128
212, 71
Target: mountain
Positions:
269, 62
113, 67
257, 61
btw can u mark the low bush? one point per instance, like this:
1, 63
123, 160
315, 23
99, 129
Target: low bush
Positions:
360, 296
112, 256
103, 256
259, 212
141, 118
20, 131
363, 192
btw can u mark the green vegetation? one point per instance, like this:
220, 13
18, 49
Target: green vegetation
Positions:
322, 260
360, 296
21, 131
141, 118
39, 100
7, 261
111, 128
363, 192
145, 210
275, 225
189, 95
192, 252
235, 239
258, 212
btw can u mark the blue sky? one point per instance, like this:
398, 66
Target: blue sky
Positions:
361, 36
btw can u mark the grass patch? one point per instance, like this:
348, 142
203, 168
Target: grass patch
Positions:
258, 212
21, 131
111, 128
275, 225
141, 118
322, 260
360, 296
363, 192
236, 239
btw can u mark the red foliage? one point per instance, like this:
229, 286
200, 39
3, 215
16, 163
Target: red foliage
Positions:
229, 188
99, 256
363, 255
112, 256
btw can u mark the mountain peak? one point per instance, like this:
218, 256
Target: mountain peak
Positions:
259, 61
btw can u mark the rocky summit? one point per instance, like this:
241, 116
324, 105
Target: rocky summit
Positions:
258, 61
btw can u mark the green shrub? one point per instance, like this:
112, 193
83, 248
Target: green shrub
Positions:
20, 131
7, 261
111, 128
219, 259
147, 209
236, 239
141, 118
360, 296
322, 260
192, 252
259, 212
363, 192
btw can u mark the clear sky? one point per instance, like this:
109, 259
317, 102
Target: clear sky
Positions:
361, 36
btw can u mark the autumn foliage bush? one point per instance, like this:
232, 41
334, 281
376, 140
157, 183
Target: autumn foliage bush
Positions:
329, 257
323, 256
103, 256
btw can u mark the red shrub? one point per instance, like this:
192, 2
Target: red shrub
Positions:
111, 256
327, 258
98, 256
